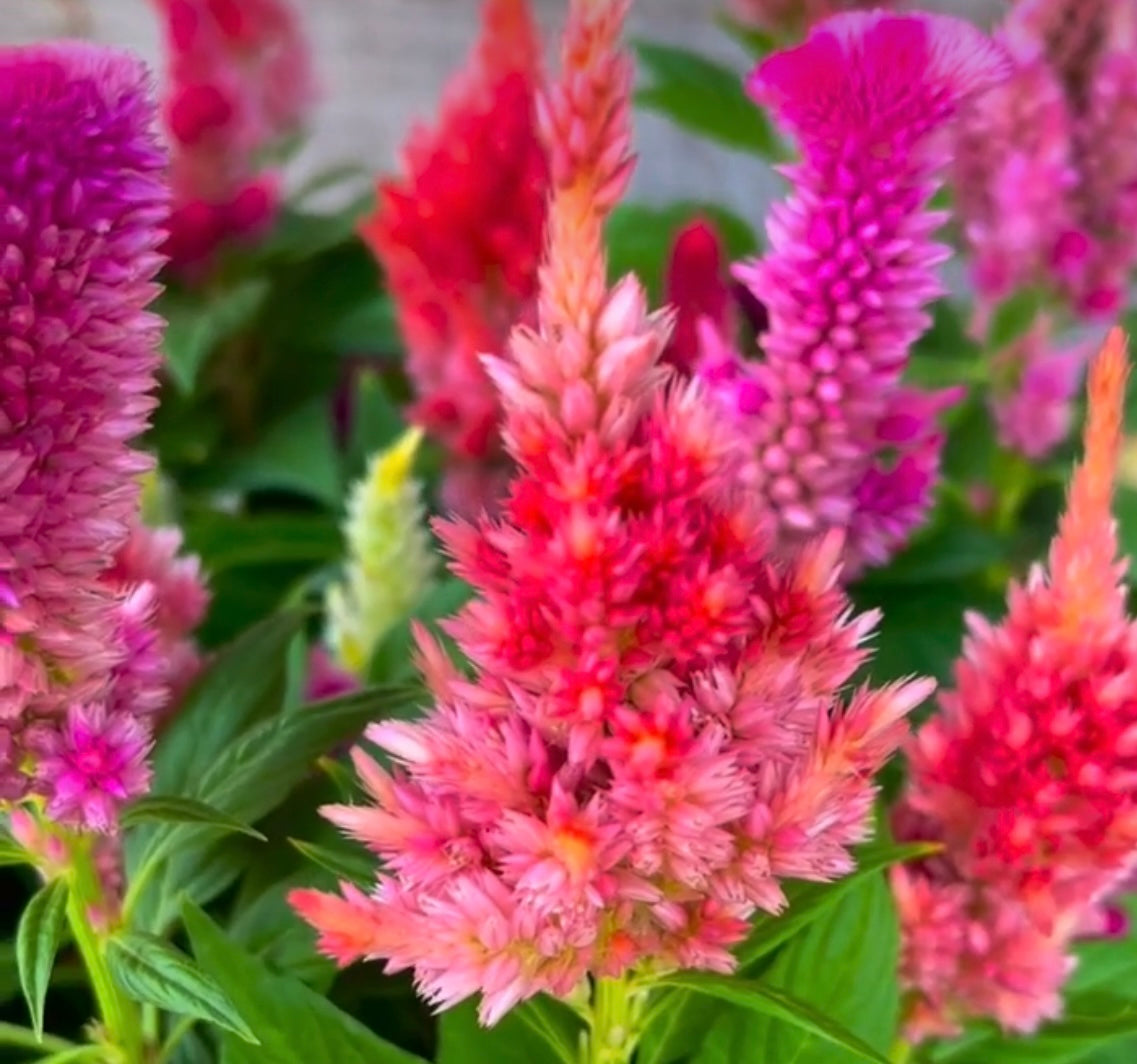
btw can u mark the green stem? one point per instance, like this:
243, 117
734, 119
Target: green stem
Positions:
901, 1052
615, 1024
179, 1031
118, 1012
11, 1035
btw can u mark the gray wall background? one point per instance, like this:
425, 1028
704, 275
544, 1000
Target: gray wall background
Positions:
382, 62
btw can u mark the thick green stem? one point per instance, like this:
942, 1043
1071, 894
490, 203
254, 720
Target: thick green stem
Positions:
118, 1013
615, 1025
901, 1052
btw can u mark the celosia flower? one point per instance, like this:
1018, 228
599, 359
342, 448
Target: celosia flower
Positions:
653, 739
240, 84
1033, 388
1046, 171
791, 18
326, 678
390, 560
79, 228
166, 599
459, 237
697, 288
96, 763
851, 265
1027, 774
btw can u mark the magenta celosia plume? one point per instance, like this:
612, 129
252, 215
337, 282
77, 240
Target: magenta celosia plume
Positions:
460, 236
653, 738
1028, 774
240, 83
851, 265
84, 205
1046, 165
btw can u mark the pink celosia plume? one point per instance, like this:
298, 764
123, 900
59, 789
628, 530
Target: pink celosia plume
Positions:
239, 86
83, 206
1046, 165
1027, 773
852, 264
653, 737
460, 236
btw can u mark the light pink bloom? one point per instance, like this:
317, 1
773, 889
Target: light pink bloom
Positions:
654, 736
1033, 390
80, 224
1028, 774
851, 266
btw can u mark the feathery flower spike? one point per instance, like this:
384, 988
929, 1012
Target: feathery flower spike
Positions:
460, 236
80, 223
653, 737
390, 560
840, 442
1027, 773
240, 85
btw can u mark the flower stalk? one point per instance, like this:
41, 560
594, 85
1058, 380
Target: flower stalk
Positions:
615, 1022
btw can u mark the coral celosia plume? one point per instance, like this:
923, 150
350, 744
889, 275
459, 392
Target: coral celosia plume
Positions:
654, 736
240, 84
460, 236
852, 263
1028, 772
81, 210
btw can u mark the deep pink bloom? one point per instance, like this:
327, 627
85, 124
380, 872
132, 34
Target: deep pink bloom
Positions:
1033, 390
698, 289
94, 765
1046, 165
240, 84
852, 263
460, 236
654, 737
80, 225
1029, 772
326, 679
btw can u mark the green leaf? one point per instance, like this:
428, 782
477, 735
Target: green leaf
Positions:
541, 1029
705, 98
828, 969
351, 865
640, 238
757, 42
76, 1055
1014, 317
153, 972
299, 235
11, 852
196, 325
765, 1000
371, 327
295, 1025
809, 902
297, 454
230, 541
37, 941
170, 809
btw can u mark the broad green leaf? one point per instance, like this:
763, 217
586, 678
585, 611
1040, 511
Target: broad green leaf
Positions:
809, 902
640, 238
371, 328
170, 809
393, 661
294, 1024
376, 420
353, 865
197, 324
538, 1030
153, 972
956, 548
230, 541
705, 98
300, 235
676, 1025
765, 1000
844, 968
296, 454
37, 941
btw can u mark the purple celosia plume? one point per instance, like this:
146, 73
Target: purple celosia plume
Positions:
81, 207
851, 265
